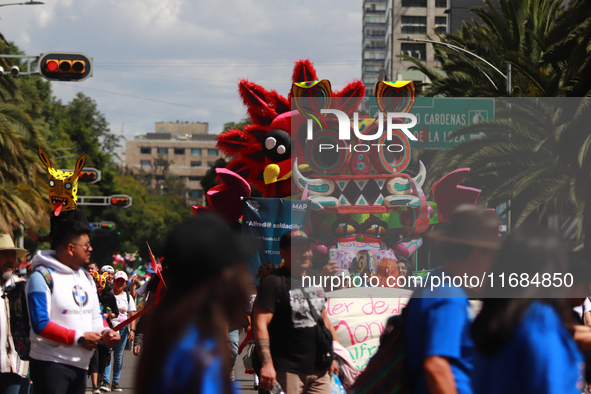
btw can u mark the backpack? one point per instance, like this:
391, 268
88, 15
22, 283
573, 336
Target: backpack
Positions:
387, 370
20, 325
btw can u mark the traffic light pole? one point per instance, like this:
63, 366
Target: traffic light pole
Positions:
29, 59
94, 200
55, 66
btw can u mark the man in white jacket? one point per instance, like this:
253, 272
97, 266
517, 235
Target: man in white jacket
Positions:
66, 320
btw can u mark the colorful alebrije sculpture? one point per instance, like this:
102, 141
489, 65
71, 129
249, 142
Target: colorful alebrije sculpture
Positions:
263, 151
279, 155
63, 186
357, 181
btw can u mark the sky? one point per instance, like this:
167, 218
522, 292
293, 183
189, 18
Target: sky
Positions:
169, 60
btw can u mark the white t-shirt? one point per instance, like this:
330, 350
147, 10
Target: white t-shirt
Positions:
124, 307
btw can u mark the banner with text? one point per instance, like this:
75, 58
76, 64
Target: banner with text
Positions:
267, 219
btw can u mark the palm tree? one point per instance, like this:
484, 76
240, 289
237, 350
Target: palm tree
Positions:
515, 34
20, 169
538, 153
569, 52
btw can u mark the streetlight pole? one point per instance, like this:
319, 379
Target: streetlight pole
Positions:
27, 3
460, 49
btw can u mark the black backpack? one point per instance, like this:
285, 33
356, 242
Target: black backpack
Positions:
20, 325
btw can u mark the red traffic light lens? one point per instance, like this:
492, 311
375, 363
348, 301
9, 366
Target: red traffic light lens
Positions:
51, 65
120, 201
87, 176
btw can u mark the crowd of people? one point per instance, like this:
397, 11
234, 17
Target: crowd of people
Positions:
521, 338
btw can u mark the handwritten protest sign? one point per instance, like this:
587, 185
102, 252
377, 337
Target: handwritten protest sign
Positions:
359, 316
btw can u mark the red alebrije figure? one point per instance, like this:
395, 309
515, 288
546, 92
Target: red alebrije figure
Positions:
264, 151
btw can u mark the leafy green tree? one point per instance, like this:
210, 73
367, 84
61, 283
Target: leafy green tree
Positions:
150, 218
233, 125
159, 179
21, 134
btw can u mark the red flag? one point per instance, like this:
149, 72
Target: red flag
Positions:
155, 265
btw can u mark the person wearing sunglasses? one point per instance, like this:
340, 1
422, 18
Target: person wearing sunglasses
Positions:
64, 311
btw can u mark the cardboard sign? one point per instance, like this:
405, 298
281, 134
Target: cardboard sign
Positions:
359, 317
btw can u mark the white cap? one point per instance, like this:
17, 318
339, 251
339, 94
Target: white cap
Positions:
120, 274
107, 268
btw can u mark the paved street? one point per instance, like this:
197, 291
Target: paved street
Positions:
244, 382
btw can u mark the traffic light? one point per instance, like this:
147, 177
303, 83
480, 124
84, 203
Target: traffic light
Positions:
65, 66
107, 226
89, 175
120, 201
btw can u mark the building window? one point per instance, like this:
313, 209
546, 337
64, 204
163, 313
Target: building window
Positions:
195, 178
375, 44
414, 24
370, 55
372, 68
162, 151
441, 24
179, 151
375, 19
414, 3
145, 150
441, 3
370, 80
195, 164
212, 152
145, 163
196, 193
210, 163
373, 32
375, 7
418, 51
195, 151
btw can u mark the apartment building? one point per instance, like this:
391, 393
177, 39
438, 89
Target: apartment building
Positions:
374, 44
188, 145
413, 19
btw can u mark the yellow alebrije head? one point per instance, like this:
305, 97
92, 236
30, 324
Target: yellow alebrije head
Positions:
63, 186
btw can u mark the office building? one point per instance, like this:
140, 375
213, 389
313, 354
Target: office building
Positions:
459, 11
188, 145
374, 44
415, 19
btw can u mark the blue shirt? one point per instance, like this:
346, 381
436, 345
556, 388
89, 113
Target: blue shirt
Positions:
193, 361
542, 357
438, 324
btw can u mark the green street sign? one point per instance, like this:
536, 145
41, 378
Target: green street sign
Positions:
438, 117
